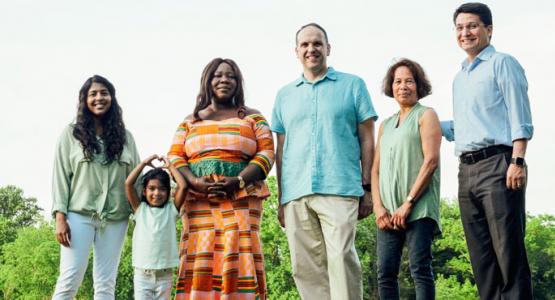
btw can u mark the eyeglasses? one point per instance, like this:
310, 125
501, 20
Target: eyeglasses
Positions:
467, 26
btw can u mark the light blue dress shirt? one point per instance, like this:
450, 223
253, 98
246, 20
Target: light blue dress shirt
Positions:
490, 102
321, 152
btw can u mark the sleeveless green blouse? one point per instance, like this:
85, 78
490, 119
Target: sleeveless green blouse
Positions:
400, 160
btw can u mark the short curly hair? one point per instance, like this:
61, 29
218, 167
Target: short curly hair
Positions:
423, 86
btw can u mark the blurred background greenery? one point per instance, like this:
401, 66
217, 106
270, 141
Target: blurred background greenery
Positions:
29, 254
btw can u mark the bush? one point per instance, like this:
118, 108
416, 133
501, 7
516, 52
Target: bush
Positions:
29, 259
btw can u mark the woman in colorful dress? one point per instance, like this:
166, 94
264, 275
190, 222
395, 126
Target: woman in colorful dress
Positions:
224, 150
405, 182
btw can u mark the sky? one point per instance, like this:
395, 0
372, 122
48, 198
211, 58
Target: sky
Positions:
154, 53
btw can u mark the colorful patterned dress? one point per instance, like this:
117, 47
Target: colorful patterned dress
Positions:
220, 250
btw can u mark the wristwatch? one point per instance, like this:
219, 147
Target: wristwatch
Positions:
519, 161
367, 187
410, 199
241, 182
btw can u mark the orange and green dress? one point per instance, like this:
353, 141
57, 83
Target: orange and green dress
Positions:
220, 249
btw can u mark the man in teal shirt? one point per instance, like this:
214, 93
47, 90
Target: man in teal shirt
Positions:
324, 122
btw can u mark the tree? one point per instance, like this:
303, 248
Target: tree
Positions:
29, 263
16, 211
279, 275
540, 245
29, 267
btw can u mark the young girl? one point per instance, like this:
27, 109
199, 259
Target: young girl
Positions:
154, 238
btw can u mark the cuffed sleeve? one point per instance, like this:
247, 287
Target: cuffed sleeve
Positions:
514, 87
62, 173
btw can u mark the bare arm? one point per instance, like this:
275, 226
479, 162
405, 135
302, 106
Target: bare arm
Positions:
366, 140
383, 218
430, 135
130, 191
180, 181
279, 154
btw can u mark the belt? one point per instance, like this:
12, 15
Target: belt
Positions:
478, 155
154, 271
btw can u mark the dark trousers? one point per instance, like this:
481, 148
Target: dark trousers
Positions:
494, 221
418, 236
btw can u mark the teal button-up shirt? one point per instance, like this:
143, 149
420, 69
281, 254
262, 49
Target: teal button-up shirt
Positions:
321, 152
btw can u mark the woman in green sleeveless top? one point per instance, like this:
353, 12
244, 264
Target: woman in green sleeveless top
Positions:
405, 182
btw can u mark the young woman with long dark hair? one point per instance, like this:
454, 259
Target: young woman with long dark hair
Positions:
93, 157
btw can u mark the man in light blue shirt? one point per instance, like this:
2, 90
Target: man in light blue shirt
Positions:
324, 122
492, 126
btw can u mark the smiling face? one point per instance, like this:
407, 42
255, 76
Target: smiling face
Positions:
99, 99
156, 193
472, 35
312, 49
404, 87
224, 83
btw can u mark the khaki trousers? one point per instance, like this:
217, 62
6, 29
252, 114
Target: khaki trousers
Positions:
321, 234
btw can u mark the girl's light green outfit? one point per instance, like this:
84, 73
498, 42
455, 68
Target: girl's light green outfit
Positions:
401, 158
154, 237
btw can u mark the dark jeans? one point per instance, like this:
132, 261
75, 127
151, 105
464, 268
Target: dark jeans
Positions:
418, 236
494, 221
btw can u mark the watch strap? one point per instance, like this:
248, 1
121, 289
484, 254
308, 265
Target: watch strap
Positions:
519, 161
367, 187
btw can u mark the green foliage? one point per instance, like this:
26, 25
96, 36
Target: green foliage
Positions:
16, 211
279, 276
30, 260
366, 248
451, 288
29, 266
124, 282
450, 252
540, 243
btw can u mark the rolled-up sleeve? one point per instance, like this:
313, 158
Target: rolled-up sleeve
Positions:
264, 157
177, 155
514, 87
62, 173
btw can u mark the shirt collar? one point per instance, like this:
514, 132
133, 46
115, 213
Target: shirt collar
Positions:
485, 54
330, 74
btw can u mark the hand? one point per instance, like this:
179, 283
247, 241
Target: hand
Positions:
383, 219
148, 161
200, 184
224, 187
63, 233
365, 205
400, 216
281, 216
167, 163
516, 177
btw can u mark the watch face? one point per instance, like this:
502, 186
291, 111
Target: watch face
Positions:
519, 161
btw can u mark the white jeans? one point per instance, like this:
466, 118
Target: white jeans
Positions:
107, 241
153, 284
